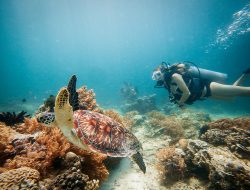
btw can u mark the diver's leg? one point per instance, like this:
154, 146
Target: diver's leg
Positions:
226, 91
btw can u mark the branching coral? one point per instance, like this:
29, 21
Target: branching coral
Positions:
6, 135
171, 165
11, 119
21, 178
87, 100
167, 125
37, 152
30, 126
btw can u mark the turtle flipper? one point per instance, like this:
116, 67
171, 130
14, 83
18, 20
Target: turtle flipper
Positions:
63, 111
62, 98
73, 95
137, 158
46, 118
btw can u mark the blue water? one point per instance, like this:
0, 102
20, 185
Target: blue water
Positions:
108, 42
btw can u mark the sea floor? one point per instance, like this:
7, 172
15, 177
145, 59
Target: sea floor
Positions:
127, 175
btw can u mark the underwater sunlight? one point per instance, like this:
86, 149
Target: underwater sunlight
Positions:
125, 95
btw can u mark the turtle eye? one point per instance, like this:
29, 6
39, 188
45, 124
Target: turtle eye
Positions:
40, 118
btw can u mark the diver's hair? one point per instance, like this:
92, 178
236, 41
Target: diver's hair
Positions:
173, 67
156, 69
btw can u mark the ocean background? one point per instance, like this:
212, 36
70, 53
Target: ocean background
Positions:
109, 42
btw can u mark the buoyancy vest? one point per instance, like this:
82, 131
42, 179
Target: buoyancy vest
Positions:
194, 84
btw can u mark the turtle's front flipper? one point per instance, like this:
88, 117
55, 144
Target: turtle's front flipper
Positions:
73, 95
46, 118
137, 158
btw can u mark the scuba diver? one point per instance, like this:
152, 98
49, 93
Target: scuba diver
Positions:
187, 83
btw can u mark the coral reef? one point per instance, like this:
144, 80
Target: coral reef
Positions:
233, 133
220, 166
160, 124
192, 122
133, 119
171, 165
50, 103
37, 146
72, 176
220, 159
129, 92
93, 164
216, 165
242, 122
141, 104
47, 106
134, 103
191, 183
21, 178
11, 119
36, 151
6, 135
169, 108
87, 100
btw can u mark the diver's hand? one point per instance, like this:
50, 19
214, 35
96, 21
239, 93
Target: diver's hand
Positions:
180, 104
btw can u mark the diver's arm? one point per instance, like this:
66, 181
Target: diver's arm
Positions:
177, 78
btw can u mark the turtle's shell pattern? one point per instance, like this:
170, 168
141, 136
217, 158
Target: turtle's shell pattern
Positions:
104, 135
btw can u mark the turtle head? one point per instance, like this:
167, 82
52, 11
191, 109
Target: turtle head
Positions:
63, 111
46, 118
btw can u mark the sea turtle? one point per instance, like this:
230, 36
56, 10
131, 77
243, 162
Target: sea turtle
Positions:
91, 130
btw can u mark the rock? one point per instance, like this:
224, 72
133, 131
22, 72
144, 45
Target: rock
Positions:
234, 134
223, 169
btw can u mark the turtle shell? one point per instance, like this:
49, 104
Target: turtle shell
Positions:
104, 135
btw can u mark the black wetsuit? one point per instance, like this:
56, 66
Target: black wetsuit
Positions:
195, 86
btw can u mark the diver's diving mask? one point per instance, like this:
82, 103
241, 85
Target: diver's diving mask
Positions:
157, 75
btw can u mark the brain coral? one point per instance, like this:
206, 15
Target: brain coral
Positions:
21, 178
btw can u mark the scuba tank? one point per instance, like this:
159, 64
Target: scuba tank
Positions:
205, 74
